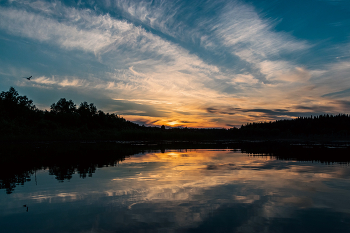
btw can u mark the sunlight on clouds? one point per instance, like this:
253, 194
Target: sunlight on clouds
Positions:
325, 79
244, 78
153, 56
141, 101
282, 71
45, 29
64, 82
45, 80
299, 74
158, 15
74, 83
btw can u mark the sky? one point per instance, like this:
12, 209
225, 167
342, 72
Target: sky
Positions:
181, 63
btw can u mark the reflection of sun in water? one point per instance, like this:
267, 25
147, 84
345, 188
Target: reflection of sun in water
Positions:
169, 155
174, 155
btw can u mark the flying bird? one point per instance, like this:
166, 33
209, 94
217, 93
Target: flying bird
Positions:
28, 77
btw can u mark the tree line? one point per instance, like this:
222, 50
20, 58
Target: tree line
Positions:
19, 116
326, 125
20, 119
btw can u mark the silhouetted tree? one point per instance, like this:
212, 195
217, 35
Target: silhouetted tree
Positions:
11, 99
87, 110
63, 106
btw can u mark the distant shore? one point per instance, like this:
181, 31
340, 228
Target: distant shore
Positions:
21, 121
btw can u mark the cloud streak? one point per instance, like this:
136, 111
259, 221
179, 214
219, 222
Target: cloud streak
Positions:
204, 63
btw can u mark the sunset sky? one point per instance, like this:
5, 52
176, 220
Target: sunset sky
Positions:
194, 63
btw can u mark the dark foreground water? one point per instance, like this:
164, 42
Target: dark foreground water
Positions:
202, 190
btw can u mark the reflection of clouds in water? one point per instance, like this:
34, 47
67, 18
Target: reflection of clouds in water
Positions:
201, 180
188, 188
175, 177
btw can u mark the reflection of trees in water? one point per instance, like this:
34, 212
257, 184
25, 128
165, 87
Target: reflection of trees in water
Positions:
335, 153
19, 162
84, 170
9, 181
62, 173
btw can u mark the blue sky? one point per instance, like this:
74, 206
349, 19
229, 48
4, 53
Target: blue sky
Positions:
181, 63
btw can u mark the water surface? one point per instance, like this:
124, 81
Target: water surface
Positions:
199, 190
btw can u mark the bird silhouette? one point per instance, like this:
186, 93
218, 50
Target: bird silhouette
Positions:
28, 77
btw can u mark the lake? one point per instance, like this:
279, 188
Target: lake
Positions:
179, 190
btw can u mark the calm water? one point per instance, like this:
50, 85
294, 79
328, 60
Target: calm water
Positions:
185, 191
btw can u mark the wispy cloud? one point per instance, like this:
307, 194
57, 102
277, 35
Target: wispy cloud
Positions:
237, 28
247, 34
210, 62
